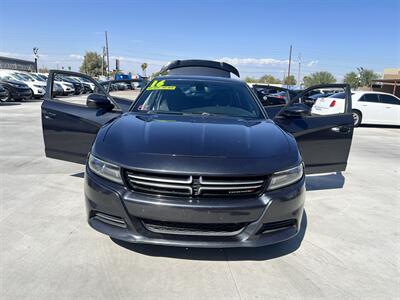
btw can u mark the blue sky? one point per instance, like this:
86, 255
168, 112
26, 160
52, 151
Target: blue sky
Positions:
333, 35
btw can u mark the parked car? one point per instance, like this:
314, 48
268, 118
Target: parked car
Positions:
89, 86
280, 98
367, 108
310, 99
61, 88
195, 161
38, 88
58, 89
77, 86
15, 90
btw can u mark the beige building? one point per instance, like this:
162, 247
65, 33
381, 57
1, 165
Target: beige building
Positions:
390, 82
393, 73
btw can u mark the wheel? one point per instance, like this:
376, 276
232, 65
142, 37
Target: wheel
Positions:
356, 117
8, 97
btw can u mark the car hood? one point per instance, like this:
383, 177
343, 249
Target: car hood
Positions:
170, 141
17, 83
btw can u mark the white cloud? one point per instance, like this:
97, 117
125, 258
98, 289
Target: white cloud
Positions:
17, 55
76, 56
253, 61
139, 60
312, 63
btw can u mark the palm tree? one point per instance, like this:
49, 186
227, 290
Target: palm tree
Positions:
144, 67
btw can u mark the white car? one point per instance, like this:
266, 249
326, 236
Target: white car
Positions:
38, 88
367, 107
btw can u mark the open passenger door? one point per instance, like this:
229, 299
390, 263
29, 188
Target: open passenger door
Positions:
323, 135
74, 108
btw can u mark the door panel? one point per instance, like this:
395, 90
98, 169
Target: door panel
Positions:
370, 108
69, 130
69, 125
272, 111
371, 112
324, 140
390, 109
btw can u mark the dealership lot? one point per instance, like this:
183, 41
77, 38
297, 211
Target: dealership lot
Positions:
348, 247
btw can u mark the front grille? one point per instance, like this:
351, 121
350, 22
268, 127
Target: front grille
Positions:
273, 226
193, 186
193, 228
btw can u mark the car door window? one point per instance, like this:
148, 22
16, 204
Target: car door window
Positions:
370, 98
320, 105
387, 99
74, 89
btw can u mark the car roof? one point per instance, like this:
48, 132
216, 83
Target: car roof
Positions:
369, 92
200, 78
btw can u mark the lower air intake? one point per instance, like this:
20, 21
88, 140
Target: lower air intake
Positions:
273, 226
197, 229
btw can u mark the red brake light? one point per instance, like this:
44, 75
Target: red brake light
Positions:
332, 103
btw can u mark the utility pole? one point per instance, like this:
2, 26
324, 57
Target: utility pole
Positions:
35, 56
298, 74
102, 60
290, 61
108, 57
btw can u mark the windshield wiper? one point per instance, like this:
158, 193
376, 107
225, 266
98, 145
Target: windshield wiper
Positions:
164, 112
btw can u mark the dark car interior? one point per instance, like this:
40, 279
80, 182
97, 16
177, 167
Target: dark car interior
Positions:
205, 98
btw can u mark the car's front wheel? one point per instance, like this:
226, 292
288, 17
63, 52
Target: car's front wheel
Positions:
356, 117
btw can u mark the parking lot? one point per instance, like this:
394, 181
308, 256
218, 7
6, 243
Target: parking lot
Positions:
348, 246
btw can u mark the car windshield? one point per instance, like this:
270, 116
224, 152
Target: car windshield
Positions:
19, 77
25, 77
181, 96
38, 78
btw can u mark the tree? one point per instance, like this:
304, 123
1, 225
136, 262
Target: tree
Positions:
263, 79
353, 79
269, 79
366, 76
289, 80
43, 70
250, 79
144, 67
92, 63
322, 77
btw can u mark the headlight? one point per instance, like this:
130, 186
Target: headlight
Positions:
105, 169
286, 177
38, 86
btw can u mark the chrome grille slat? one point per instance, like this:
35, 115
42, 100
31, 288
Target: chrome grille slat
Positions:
215, 188
162, 185
166, 185
158, 179
208, 182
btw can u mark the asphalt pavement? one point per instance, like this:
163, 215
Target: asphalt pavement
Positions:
348, 247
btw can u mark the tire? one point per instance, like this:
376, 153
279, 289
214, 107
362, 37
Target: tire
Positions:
357, 117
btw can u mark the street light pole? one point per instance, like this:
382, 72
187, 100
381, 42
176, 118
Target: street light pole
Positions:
35, 56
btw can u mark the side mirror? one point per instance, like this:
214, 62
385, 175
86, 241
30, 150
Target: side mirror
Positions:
297, 110
98, 101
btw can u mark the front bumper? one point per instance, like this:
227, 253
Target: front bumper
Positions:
129, 210
18, 94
